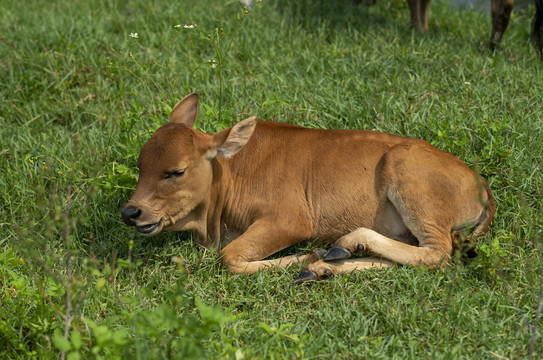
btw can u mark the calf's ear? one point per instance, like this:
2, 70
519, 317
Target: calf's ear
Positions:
229, 141
185, 111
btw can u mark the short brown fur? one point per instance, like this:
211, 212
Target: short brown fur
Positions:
260, 187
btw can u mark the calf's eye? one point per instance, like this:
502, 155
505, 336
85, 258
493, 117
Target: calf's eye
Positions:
174, 174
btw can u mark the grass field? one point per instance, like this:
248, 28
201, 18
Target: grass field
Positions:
79, 97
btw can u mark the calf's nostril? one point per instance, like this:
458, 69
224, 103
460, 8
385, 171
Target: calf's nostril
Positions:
136, 214
130, 215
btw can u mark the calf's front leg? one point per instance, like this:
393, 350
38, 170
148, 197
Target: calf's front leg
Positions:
264, 238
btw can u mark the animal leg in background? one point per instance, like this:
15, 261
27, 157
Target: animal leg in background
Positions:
419, 13
501, 13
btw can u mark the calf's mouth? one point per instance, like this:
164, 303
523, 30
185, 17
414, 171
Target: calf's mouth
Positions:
149, 229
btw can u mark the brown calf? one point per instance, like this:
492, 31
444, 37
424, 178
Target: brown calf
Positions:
259, 187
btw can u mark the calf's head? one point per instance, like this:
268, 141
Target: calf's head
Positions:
176, 174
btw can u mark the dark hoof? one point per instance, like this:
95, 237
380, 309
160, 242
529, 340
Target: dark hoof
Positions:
319, 252
337, 253
306, 275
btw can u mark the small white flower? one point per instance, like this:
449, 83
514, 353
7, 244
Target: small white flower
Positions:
134, 35
212, 63
177, 26
467, 83
189, 26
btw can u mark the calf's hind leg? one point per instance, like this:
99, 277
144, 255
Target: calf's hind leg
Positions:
428, 219
385, 253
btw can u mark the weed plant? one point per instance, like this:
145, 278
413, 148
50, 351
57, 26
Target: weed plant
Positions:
80, 96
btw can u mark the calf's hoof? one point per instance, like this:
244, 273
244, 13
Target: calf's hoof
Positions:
306, 275
337, 253
319, 252
315, 255
310, 275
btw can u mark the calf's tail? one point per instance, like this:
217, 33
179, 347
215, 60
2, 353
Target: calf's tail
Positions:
537, 28
466, 244
488, 215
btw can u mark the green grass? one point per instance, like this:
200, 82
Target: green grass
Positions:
79, 98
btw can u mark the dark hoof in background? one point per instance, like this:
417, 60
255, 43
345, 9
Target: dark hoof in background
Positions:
337, 253
306, 275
